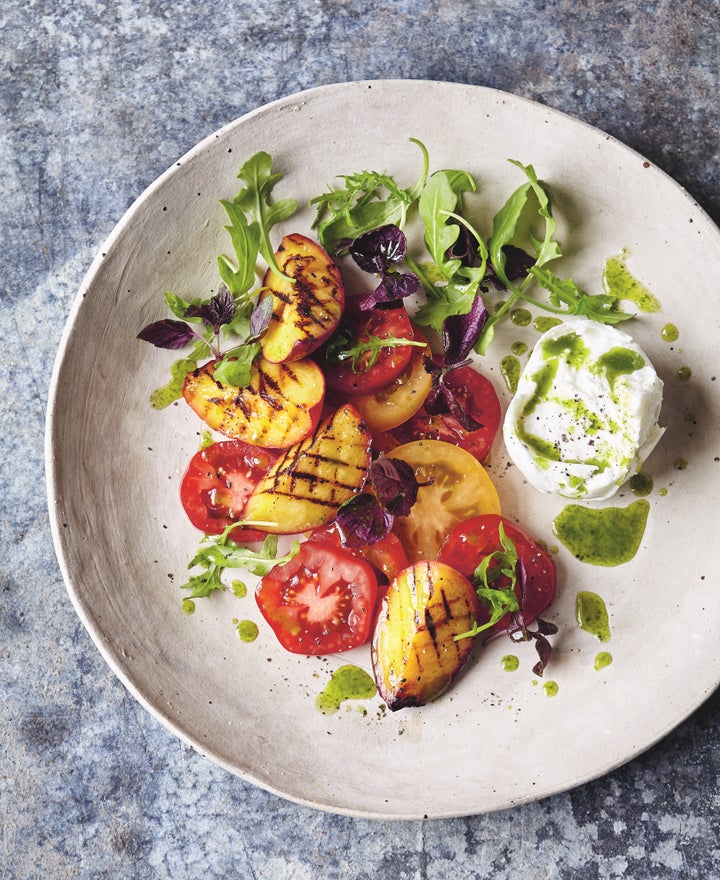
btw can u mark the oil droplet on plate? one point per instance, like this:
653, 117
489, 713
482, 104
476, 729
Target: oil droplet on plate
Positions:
591, 614
641, 484
550, 688
510, 663
670, 333
603, 659
520, 317
510, 370
247, 630
346, 683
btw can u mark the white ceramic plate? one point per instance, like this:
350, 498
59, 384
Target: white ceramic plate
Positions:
114, 468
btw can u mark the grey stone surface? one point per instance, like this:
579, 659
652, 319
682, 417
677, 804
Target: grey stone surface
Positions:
96, 100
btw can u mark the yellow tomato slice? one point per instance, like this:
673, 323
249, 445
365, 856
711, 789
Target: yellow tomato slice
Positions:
458, 487
401, 399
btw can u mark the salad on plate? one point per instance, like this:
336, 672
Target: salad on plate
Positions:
355, 419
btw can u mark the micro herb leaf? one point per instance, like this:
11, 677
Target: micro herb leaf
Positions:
235, 367
394, 286
260, 317
363, 353
218, 310
254, 200
362, 520
519, 631
365, 201
377, 250
167, 333
460, 333
395, 484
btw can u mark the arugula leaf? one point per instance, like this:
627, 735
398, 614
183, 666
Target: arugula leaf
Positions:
437, 204
366, 201
218, 552
600, 307
254, 200
527, 204
364, 353
245, 238
499, 600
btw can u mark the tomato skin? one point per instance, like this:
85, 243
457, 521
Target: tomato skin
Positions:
218, 482
321, 602
341, 378
469, 542
478, 398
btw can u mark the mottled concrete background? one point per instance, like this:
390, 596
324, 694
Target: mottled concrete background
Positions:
97, 99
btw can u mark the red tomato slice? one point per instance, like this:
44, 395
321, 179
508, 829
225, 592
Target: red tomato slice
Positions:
387, 556
478, 398
320, 602
468, 543
391, 361
218, 482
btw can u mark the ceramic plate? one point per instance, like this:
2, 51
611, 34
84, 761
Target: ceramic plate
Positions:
496, 739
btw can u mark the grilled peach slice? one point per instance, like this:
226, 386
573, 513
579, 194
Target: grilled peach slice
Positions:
279, 407
307, 484
415, 654
307, 310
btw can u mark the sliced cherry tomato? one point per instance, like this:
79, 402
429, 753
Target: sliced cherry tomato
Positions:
471, 541
402, 398
453, 486
368, 377
321, 602
478, 398
218, 482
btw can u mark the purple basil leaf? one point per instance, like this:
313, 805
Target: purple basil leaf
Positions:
394, 286
375, 251
260, 317
545, 627
464, 248
167, 334
216, 311
461, 332
442, 399
395, 485
517, 264
362, 521
544, 649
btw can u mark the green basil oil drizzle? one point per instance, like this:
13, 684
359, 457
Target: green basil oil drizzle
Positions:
591, 614
346, 683
619, 282
608, 536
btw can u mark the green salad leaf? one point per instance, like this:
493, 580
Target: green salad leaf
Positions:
254, 201
365, 201
218, 552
